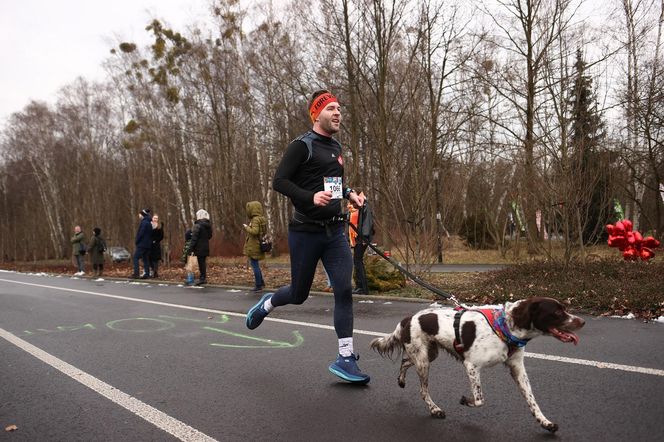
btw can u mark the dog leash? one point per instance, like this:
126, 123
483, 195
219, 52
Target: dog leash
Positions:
416, 279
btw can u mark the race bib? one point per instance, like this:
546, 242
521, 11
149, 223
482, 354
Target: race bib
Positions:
333, 184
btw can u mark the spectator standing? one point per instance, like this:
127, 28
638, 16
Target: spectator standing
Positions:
359, 247
200, 243
329, 287
255, 230
155, 248
78, 250
186, 250
97, 247
143, 244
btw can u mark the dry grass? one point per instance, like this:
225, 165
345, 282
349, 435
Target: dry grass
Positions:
518, 253
455, 251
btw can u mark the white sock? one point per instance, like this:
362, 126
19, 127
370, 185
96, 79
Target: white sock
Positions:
267, 305
346, 347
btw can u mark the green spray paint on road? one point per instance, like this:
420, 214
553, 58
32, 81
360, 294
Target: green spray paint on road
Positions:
266, 343
164, 322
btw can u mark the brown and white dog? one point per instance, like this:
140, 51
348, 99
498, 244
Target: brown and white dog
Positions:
482, 339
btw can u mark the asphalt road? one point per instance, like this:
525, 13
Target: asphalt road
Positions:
114, 361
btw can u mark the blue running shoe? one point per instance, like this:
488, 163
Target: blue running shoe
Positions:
257, 313
346, 368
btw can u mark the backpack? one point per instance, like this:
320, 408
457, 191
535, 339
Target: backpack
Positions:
365, 226
102, 244
308, 138
265, 243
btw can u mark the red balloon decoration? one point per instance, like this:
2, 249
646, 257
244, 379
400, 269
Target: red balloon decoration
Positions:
631, 243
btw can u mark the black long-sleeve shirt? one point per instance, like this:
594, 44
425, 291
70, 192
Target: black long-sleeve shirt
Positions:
299, 177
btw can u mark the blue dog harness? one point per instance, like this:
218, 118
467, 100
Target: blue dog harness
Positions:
497, 320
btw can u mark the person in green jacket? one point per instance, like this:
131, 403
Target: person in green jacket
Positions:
78, 250
255, 230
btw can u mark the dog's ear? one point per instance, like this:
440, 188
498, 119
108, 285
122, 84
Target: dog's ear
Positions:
521, 314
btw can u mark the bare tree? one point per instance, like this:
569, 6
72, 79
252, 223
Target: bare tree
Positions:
445, 122
643, 154
530, 29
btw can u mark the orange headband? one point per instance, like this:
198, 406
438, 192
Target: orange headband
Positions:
319, 104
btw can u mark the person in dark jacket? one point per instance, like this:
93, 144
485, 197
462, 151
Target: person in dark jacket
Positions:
200, 243
359, 247
256, 228
189, 277
96, 249
143, 244
155, 248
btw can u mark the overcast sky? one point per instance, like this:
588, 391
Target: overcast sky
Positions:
46, 44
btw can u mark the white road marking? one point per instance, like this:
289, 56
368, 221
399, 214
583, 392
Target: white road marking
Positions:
157, 418
597, 364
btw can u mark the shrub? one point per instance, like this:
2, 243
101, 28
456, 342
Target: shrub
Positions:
475, 231
380, 277
605, 286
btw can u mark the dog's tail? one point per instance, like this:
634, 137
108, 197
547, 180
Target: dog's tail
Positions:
388, 345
